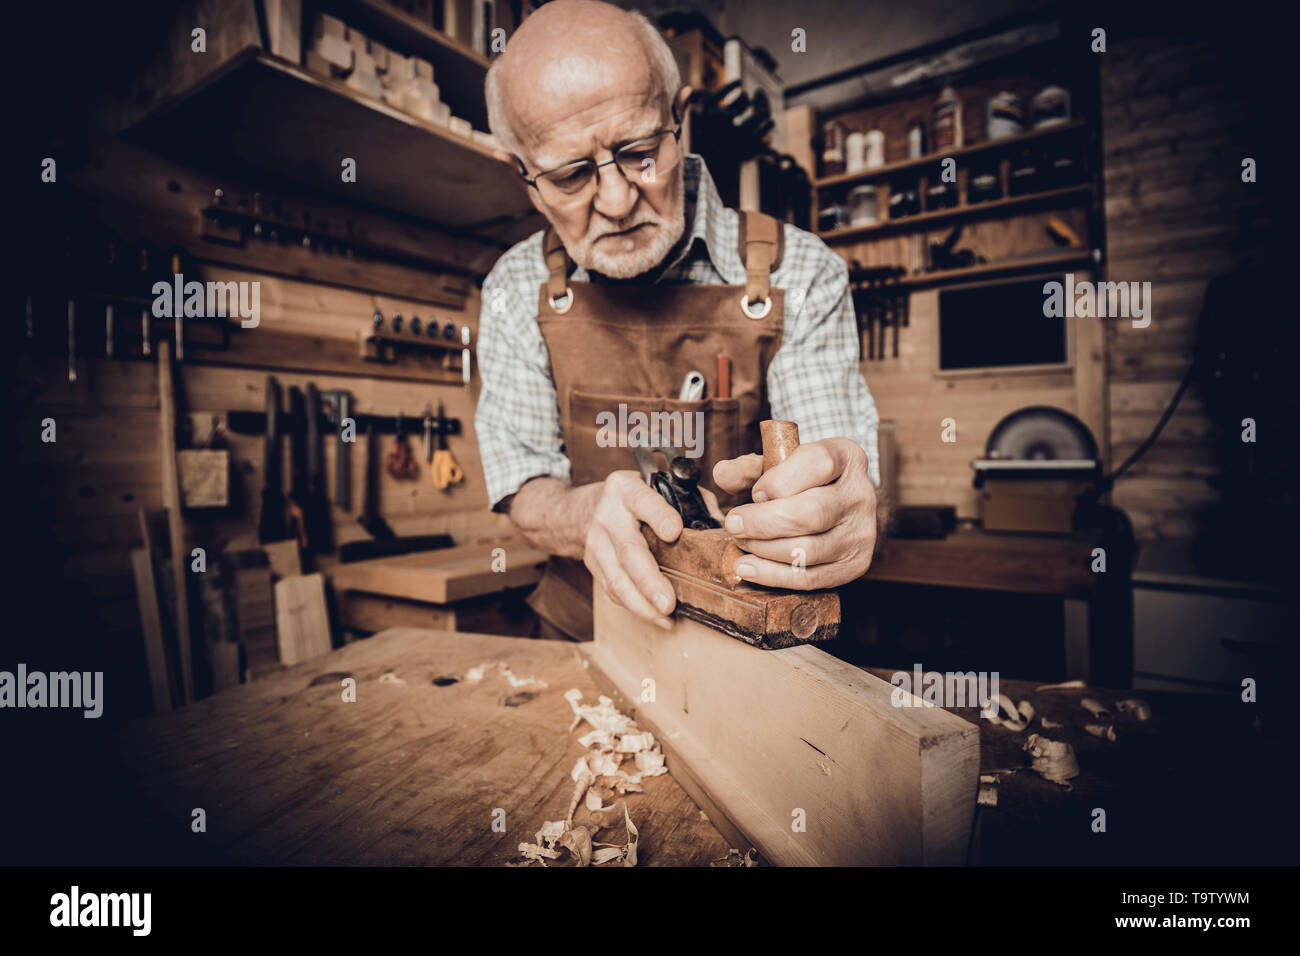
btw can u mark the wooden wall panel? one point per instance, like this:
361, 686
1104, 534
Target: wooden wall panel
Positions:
1175, 128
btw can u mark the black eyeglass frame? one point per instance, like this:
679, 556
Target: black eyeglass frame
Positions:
523, 171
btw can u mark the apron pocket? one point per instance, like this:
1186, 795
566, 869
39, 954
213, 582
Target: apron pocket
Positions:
603, 429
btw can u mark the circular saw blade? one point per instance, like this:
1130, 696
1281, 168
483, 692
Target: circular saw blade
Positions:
1041, 433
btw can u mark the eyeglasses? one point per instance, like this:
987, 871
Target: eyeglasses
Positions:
644, 158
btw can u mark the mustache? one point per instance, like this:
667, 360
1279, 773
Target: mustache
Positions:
605, 227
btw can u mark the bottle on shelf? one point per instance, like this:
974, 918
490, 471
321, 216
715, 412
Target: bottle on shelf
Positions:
985, 183
946, 128
1004, 116
916, 138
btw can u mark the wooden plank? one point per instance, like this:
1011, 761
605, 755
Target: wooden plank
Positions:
302, 623
408, 775
1027, 564
371, 612
172, 501
285, 559
443, 576
155, 657
772, 737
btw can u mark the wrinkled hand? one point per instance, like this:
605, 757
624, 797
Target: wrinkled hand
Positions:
819, 501
617, 555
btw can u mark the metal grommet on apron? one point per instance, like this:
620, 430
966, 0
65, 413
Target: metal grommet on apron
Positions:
624, 350
761, 313
562, 304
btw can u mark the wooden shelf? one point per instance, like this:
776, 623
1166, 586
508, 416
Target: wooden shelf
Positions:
263, 118
458, 70
1066, 258
987, 146
968, 211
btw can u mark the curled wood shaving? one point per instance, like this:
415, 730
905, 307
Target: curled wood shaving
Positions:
1138, 708
1104, 731
1095, 708
1049, 724
388, 677
1068, 685
1053, 759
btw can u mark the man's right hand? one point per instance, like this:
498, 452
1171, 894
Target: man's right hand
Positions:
616, 553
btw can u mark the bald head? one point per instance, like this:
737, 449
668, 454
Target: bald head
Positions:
566, 62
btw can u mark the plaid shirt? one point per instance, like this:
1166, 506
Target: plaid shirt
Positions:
813, 379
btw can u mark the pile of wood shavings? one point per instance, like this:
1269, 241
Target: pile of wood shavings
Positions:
599, 776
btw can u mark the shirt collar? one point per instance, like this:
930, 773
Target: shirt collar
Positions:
708, 226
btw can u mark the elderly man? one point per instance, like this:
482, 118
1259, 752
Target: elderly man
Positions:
643, 276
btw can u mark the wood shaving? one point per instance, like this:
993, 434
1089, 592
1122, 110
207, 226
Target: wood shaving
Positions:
1096, 708
1053, 759
1138, 708
1049, 724
734, 859
476, 674
388, 677
988, 795
1013, 719
1104, 731
1068, 685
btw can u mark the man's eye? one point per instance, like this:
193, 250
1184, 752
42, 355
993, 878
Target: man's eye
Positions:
569, 177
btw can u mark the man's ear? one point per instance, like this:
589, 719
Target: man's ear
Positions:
679, 103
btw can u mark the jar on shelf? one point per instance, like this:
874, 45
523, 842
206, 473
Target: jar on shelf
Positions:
904, 201
875, 149
940, 195
1026, 173
985, 183
1051, 106
1005, 116
832, 214
863, 209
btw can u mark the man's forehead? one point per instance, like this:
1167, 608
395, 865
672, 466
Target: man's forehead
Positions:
572, 128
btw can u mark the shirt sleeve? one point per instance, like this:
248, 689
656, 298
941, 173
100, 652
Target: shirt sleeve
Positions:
814, 379
518, 416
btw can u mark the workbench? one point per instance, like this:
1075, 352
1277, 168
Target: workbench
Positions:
411, 773
1097, 607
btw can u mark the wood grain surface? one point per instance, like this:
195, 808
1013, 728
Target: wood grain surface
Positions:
408, 775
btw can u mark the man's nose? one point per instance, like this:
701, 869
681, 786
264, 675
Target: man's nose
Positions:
615, 196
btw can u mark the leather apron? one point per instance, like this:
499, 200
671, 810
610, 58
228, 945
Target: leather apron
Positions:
631, 346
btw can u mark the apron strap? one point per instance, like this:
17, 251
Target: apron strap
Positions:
557, 267
762, 243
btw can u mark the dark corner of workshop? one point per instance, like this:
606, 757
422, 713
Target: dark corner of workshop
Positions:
665, 433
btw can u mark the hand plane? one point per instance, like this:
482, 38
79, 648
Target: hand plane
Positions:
701, 563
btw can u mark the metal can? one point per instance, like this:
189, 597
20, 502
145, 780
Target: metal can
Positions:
1005, 116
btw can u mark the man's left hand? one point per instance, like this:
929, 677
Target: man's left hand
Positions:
813, 521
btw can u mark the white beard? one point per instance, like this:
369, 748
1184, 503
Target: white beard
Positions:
614, 264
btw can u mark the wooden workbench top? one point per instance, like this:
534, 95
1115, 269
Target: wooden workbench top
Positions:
408, 775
